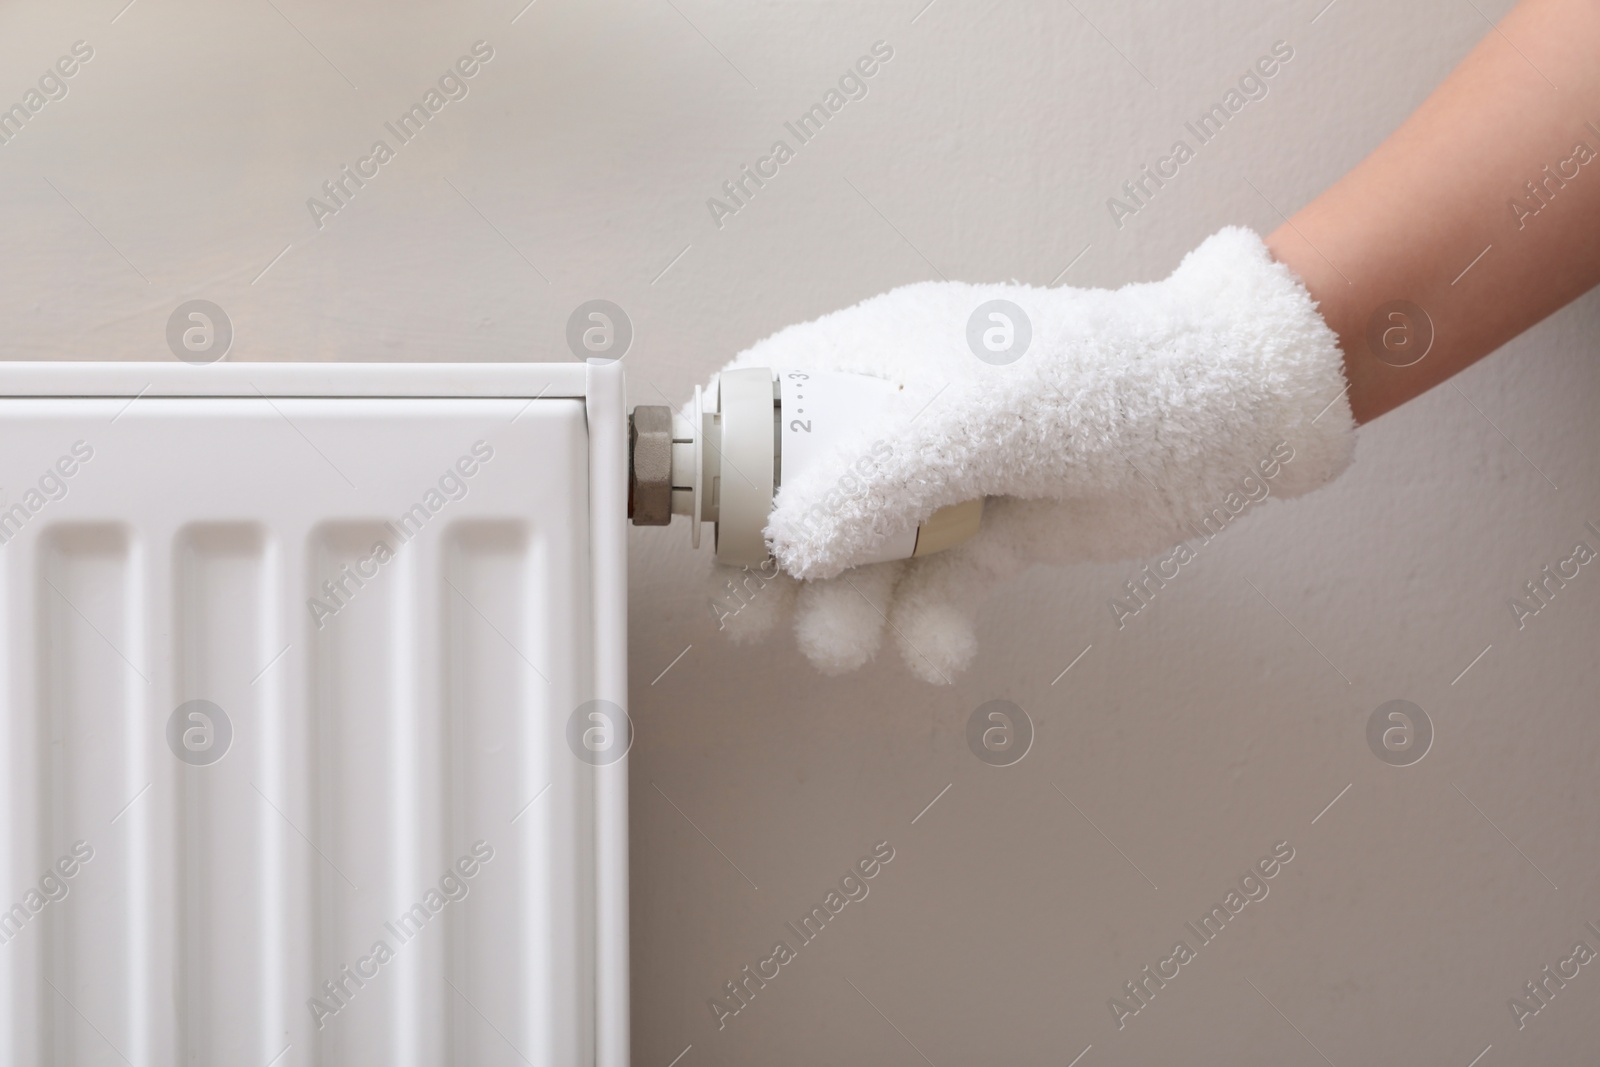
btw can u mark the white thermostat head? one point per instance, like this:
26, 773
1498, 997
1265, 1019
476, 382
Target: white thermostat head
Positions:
737, 443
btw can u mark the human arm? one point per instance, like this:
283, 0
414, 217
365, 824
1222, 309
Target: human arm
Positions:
1407, 221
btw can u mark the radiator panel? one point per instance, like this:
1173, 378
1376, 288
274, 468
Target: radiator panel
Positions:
395, 646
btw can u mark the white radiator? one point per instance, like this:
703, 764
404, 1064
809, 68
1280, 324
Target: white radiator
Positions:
311, 679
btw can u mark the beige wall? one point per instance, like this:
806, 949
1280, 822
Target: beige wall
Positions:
1217, 723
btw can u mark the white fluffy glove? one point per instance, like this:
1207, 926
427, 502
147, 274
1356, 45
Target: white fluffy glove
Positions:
1134, 420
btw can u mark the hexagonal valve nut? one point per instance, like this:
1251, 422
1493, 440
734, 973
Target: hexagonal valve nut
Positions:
650, 465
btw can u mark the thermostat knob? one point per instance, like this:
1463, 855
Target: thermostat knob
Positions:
758, 427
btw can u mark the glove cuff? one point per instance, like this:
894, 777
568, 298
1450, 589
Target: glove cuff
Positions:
1277, 357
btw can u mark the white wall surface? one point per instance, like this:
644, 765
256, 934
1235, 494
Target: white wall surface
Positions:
1221, 720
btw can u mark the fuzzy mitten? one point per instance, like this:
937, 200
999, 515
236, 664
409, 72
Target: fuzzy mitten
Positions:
1100, 424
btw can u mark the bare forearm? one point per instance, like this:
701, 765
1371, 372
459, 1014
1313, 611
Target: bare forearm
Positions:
1409, 220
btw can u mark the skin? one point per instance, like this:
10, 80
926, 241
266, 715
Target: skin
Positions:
1407, 221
